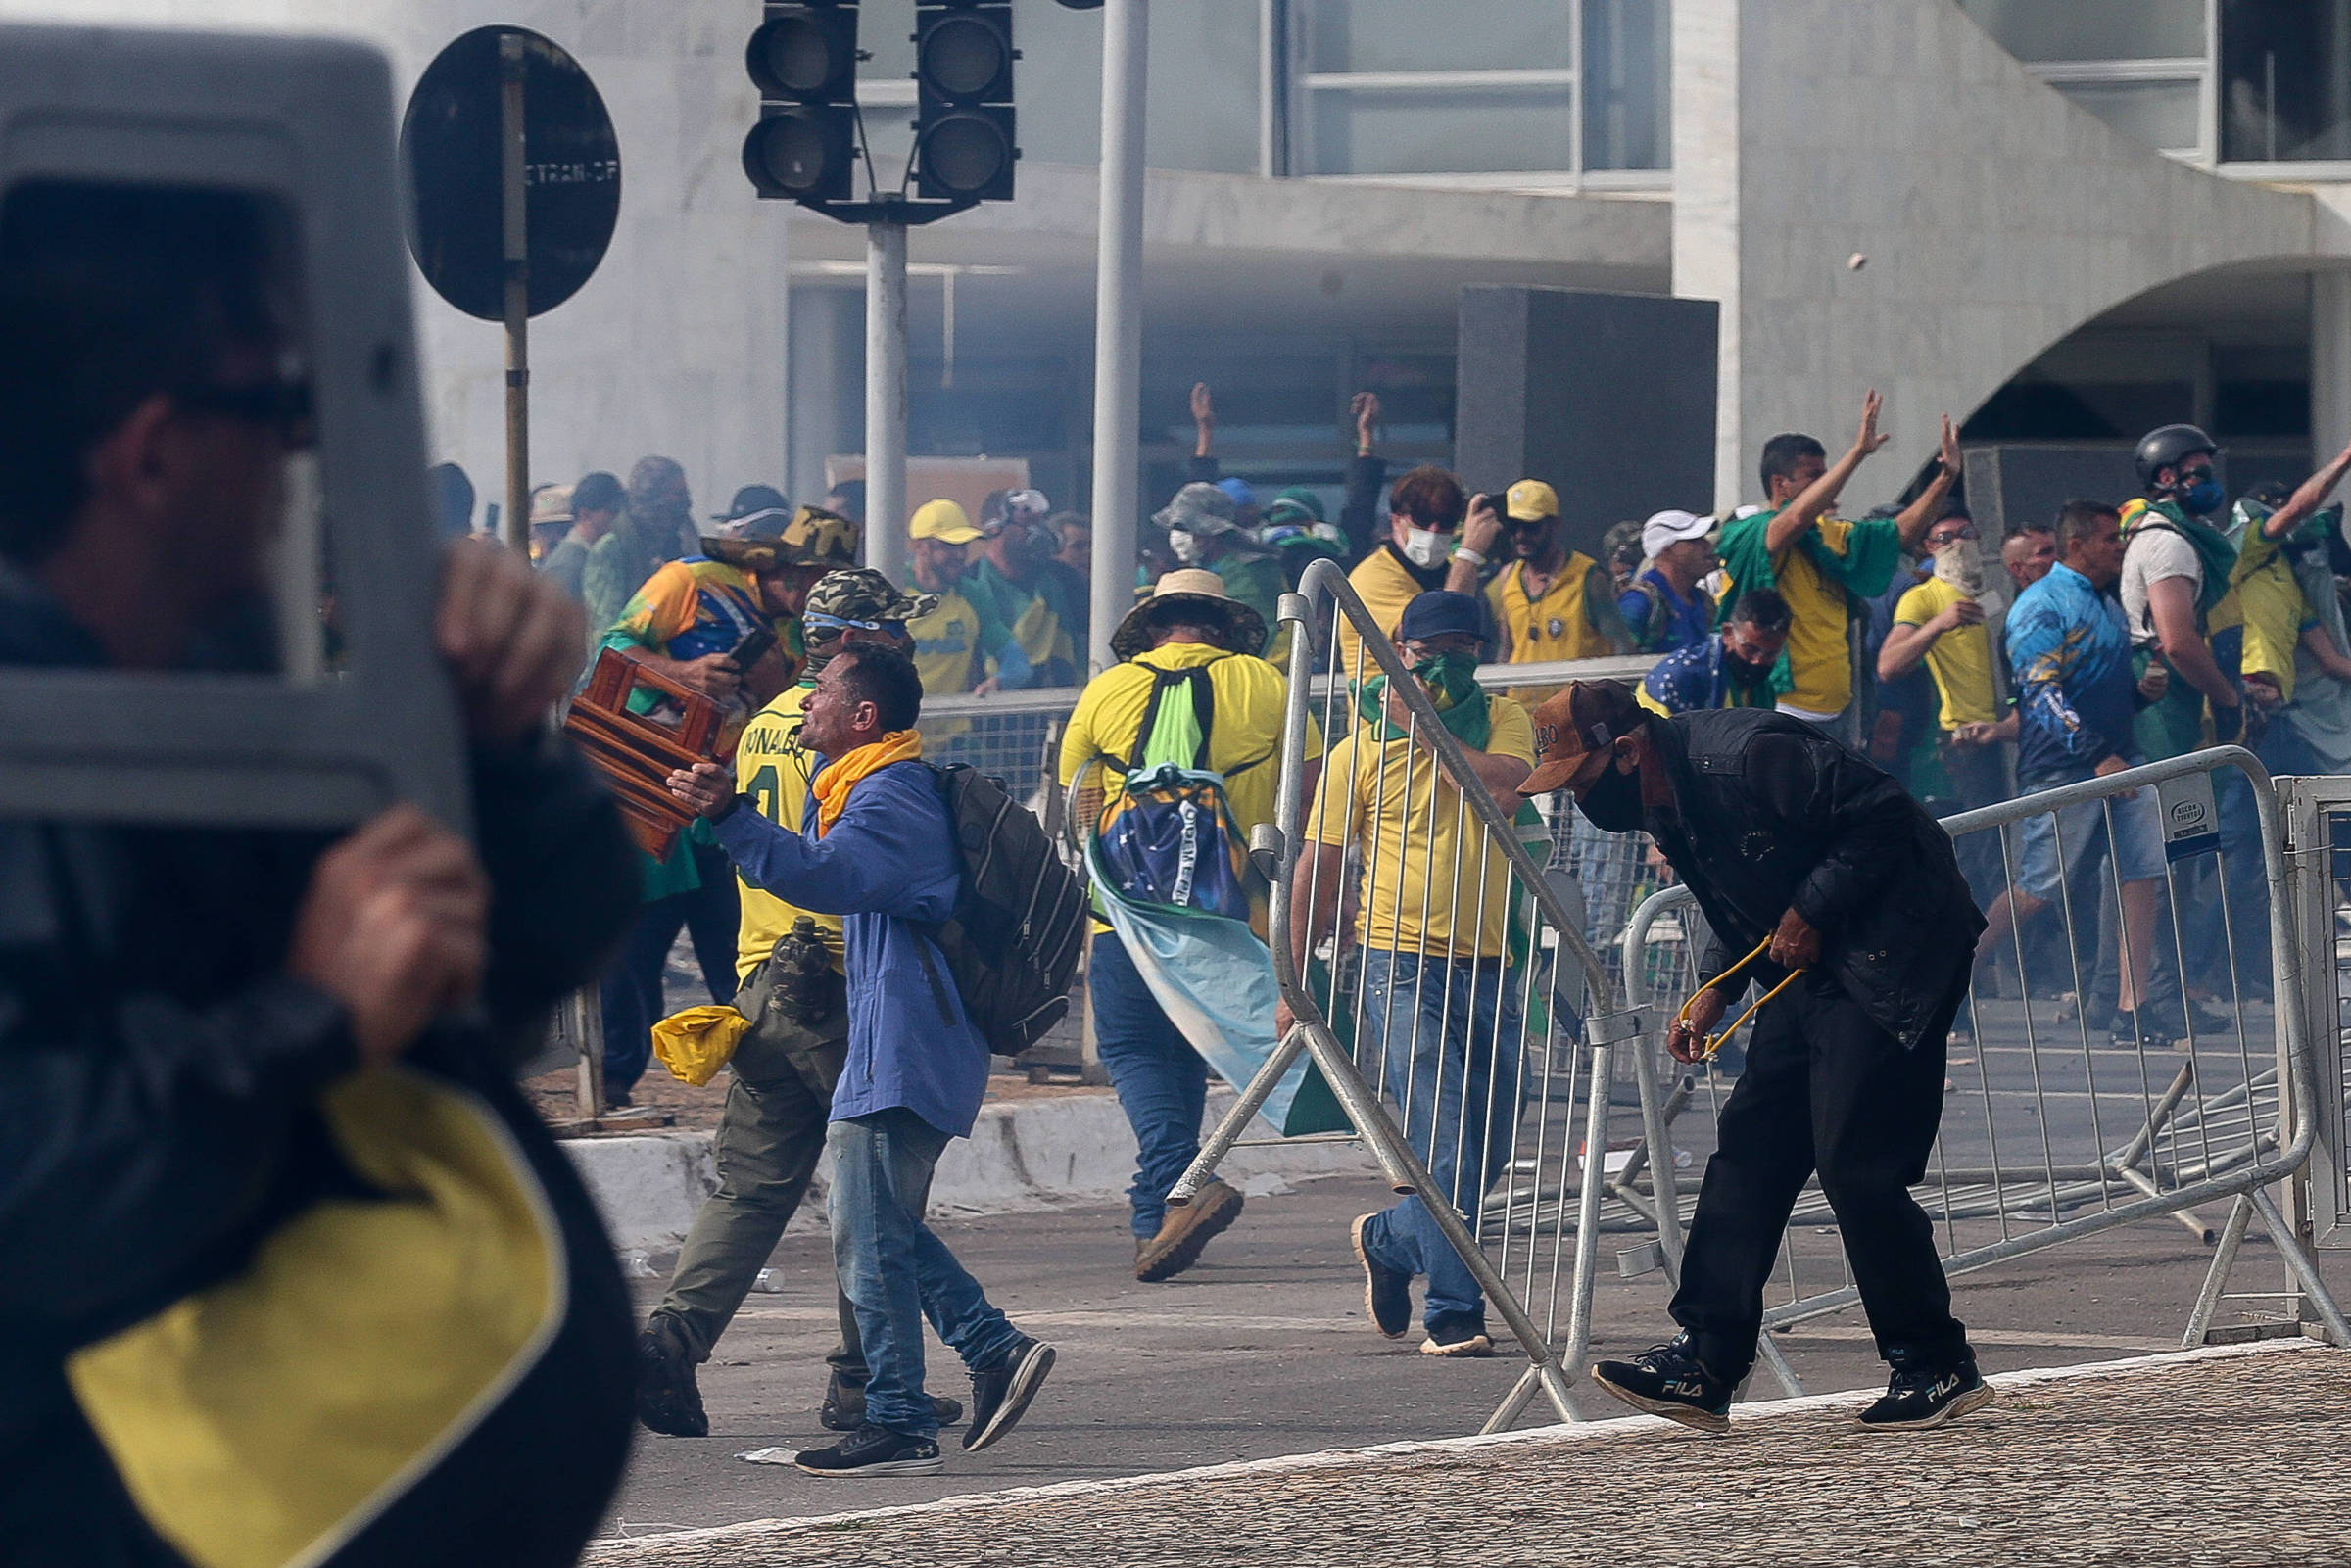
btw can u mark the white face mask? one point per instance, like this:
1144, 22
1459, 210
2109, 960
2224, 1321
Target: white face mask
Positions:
1186, 546
1960, 564
1426, 548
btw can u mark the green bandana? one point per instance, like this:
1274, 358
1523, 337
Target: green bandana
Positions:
1450, 681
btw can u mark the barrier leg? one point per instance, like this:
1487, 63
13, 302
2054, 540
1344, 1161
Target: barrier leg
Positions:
1219, 1143
2216, 1278
2306, 1271
1586, 1214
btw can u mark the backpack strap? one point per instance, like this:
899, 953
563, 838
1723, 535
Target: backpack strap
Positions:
1204, 711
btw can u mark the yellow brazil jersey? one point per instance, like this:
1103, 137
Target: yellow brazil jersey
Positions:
1244, 742
1961, 660
946, 645
2265, 596
1427, 858
1385, 587
771, 770
1820, 658
1556, 626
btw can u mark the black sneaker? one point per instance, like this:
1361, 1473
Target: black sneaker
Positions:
1669, 1380
1387, 1292
1001, 1394
1458, 1337
1919, 1397
844, 1409
874, 1451
667, 1399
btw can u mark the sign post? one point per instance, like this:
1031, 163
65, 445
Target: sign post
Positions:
515, 174
515, 228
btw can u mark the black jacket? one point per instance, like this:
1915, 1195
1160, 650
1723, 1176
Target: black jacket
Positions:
159, 1077
1769, 814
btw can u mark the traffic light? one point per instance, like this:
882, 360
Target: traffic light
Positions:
804, 147
963, 126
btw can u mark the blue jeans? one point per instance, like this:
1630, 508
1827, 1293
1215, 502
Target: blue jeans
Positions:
1442, 1037
895, 1272
1162, 1081
630, 993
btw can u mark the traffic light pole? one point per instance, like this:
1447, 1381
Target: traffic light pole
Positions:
885, 547
1117, 321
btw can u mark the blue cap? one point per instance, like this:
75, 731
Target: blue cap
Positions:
1437, 612
1239, 491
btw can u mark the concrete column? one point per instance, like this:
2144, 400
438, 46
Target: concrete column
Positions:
1707, 177
825, 410
2330, 363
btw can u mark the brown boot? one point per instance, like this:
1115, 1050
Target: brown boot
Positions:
1186, 1231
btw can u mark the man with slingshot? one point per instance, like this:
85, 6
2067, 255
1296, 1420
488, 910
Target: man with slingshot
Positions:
1845, 899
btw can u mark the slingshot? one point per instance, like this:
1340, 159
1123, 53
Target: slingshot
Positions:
1713, 1042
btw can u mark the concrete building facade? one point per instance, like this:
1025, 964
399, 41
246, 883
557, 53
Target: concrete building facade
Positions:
2072, 221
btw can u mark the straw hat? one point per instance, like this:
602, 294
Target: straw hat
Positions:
1201, 593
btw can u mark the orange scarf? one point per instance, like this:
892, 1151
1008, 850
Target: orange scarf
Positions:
833, 786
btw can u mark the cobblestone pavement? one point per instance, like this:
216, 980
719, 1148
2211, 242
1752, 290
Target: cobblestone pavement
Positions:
2218, 1457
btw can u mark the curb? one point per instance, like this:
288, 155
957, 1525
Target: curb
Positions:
1022, 1155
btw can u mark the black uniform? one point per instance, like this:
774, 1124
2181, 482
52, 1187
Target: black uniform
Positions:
1845, 1068
162, 1085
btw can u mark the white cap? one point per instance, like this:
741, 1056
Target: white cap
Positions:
1671, 528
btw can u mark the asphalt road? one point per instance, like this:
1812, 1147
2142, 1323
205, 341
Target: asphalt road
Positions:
1262, 1351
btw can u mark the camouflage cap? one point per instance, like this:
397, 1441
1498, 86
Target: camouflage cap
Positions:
1199, 509
814, 537
863, 598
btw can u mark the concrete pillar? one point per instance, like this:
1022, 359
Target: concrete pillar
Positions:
1706, 178
2330, 363
825, 396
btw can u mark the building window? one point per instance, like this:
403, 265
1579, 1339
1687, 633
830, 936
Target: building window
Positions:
2142, 65
2285, 81
1481, 87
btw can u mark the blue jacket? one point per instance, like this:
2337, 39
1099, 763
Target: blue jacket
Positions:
2069, 652
888, 861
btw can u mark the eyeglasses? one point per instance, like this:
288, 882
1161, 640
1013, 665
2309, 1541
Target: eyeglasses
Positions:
284, 404
1945, 535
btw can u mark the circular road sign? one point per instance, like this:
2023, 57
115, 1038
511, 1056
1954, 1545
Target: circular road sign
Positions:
449, 143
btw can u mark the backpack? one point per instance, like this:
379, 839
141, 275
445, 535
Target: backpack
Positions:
1168, 834
1012, 943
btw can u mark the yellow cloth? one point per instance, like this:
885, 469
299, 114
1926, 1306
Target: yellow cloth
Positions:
266, 1419
1961, 660
1392, 799
695, 1043
1820, 658
2268, 600
772, 770
1556, 626
1382, 582
831, 786
1250, 697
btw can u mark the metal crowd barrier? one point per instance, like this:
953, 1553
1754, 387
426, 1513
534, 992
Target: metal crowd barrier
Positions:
2317, 852
1455, 1004
2049, 1132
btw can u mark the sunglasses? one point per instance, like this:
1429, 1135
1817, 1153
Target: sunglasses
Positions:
819, 622
284, 406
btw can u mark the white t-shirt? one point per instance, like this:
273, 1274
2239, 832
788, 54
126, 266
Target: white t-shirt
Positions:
2155, 553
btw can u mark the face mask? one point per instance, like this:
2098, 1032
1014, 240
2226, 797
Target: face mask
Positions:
2202, 497
1960, 564
1450, 677
1186, 546
1735, 668
1613, 804
1426, 548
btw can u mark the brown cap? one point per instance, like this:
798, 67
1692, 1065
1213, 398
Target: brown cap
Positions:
1573, 726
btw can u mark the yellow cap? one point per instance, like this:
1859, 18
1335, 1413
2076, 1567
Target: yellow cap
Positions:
943, 521
1530, 500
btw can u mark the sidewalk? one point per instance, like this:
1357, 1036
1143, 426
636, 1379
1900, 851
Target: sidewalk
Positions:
2220, 1457
1025, 1152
